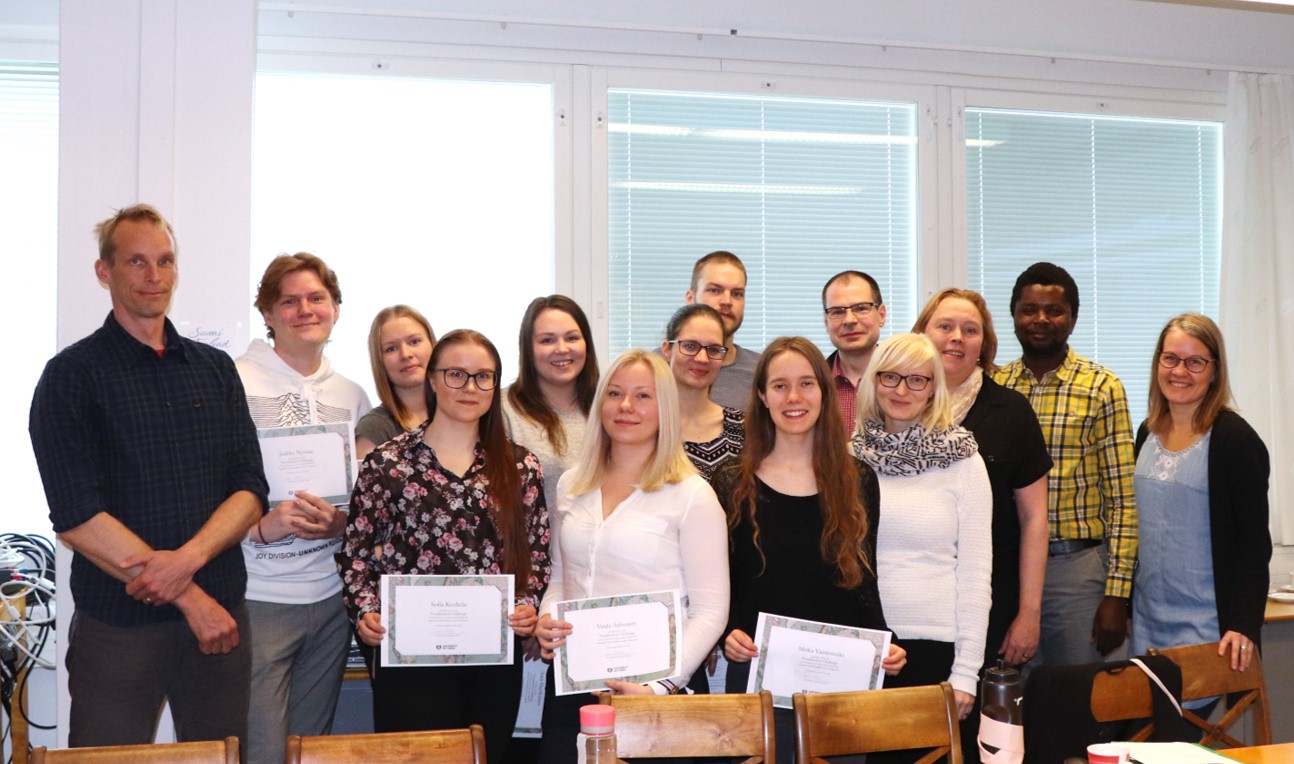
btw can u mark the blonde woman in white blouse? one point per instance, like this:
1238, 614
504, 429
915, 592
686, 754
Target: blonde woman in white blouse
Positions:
634, 516
934, 549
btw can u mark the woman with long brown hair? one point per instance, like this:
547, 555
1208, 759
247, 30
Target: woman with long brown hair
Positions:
801, 514
400, 341
451, 497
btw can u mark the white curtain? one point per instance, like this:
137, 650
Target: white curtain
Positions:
1257, 294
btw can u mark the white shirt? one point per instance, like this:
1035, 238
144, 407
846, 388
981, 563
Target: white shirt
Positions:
672, 538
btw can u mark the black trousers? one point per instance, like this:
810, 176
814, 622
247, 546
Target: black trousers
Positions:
449, 697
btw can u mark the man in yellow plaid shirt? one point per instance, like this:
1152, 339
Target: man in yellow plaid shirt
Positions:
1091, 509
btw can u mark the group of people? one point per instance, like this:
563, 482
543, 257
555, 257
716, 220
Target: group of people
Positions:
978, 513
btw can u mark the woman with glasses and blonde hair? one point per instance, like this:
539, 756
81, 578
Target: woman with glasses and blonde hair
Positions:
1201, 482
547, 407
694, 348
933, 549
399, 346
633, 516
451, 497
802, 516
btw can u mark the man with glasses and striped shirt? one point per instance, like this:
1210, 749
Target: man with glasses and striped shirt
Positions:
854, 314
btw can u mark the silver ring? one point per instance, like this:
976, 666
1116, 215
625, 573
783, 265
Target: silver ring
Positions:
1244, 647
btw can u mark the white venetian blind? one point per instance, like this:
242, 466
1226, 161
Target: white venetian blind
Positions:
798, 188
1130, 207
29, 197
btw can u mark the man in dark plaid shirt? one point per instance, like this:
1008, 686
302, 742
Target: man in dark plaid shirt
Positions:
153, 475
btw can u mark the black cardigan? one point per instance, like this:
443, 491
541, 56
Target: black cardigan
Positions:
1239, 468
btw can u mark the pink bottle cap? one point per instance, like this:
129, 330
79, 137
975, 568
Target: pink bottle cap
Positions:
597, 720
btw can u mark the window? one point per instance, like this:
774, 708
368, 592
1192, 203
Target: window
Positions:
434, 193
1130, 207
28, 193
798, 188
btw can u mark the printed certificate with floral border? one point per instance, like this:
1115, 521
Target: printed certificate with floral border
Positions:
634, 637
808, 656
319, 458
446, 620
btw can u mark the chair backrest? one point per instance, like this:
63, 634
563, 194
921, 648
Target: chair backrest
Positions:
459, 746
902, 718
1205, 674
201, 752
651, 726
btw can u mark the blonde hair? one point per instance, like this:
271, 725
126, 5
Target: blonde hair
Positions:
988, 347
669, 463
899, 352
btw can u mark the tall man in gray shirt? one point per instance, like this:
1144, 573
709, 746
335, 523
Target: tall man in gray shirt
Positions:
719, 280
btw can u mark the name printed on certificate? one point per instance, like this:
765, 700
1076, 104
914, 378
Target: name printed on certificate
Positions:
635, 637
319, 458
808, 656
446, 620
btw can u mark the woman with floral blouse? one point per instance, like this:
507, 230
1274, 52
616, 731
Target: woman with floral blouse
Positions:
452, 497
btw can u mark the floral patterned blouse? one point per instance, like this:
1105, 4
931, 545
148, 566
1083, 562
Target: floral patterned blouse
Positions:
411, 515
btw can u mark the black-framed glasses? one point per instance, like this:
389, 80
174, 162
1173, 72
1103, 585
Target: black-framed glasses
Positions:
692, 347
457, 378
915, 382
859, 309
1195, 364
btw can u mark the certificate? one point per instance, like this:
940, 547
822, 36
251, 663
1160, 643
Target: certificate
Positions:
808, 656
634, 637
317, 458
446, 620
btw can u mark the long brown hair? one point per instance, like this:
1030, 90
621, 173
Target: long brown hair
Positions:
844, 519
385, 392
1218, 399
525, 393
500, 463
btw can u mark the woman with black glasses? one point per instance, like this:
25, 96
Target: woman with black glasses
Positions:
933, 547
694, 347
1201, 483
451, 497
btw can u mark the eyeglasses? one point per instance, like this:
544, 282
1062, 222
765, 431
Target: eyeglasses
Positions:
457, 378
915, 382
1195, 364
861, 309
692, 347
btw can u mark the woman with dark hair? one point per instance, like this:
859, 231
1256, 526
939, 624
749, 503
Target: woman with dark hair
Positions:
547, 406
934, 546
694, 348
801, 516
1201, 482
399, 346
451, 497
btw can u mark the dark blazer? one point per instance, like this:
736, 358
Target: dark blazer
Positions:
1239, 468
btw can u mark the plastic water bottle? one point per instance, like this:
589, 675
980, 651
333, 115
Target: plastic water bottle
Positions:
1001, 726
596, 743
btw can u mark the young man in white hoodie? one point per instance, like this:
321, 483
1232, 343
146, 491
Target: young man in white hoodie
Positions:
300, 631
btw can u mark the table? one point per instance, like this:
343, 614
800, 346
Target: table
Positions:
1280, 753
1279, 611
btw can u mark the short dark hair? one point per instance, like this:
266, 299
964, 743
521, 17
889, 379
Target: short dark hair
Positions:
720, 256
271, 286
850, 276
1046, 274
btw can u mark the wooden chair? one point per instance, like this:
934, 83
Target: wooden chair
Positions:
202, 752
460, 746
696, 726
1205, 674
902, 718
